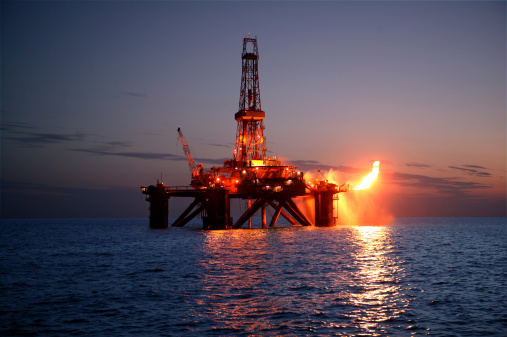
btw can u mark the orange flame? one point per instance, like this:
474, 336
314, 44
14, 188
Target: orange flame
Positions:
353, 209
369, 178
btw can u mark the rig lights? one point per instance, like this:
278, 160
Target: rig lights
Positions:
273, 185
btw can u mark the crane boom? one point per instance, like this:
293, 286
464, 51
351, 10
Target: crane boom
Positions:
186, 149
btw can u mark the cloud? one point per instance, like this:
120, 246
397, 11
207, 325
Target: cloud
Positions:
450, 185
149, 156
21, 187
29, 136
212, 161
417, 165
118, 143
471, 170
309, 165
14, 126
138, 155
24, 134
476, 166
221, 145
109, 146
33, 139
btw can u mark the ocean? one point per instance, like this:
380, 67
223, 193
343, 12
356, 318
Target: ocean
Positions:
118, 277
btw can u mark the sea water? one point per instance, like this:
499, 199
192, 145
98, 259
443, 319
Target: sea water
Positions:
118, 277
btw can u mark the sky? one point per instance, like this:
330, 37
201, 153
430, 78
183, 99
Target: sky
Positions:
92, 94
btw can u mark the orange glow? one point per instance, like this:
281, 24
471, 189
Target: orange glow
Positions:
309, 177
369, 178
368, 207
364, 208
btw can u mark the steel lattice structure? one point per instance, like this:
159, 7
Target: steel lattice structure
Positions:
250, 140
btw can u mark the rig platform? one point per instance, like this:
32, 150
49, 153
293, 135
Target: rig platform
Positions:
250, 175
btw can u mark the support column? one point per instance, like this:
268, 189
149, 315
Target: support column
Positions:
218, 209
159, 206
324, 208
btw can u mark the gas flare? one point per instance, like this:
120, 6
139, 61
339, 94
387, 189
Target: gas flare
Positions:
369, 178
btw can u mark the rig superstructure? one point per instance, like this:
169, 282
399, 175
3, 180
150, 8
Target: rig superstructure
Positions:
249, 175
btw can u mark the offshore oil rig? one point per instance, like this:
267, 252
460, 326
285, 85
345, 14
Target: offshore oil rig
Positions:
251, 176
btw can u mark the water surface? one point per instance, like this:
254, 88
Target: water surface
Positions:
115, 277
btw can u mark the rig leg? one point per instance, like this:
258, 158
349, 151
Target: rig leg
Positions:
159, 206
218, 209
324, 209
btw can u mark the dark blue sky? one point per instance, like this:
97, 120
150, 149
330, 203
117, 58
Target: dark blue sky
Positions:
92, 94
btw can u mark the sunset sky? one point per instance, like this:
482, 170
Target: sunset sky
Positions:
92, 94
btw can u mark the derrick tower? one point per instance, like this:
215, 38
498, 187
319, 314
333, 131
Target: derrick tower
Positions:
250, 140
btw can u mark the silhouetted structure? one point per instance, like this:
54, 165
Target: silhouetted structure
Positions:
250, 175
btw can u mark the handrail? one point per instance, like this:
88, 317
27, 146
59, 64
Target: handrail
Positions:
179, 188
172, 188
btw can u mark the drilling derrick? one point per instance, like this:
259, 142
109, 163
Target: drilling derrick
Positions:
250, 140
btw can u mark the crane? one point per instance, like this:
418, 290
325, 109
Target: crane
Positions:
186, 149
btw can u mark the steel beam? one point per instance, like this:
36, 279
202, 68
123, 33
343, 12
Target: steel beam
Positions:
184, 221
251, 211
283, 213
263, 209
294, 210
185, 213
278, 209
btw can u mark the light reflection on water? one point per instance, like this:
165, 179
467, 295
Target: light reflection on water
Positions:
378, 277
234, 280
271, 281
